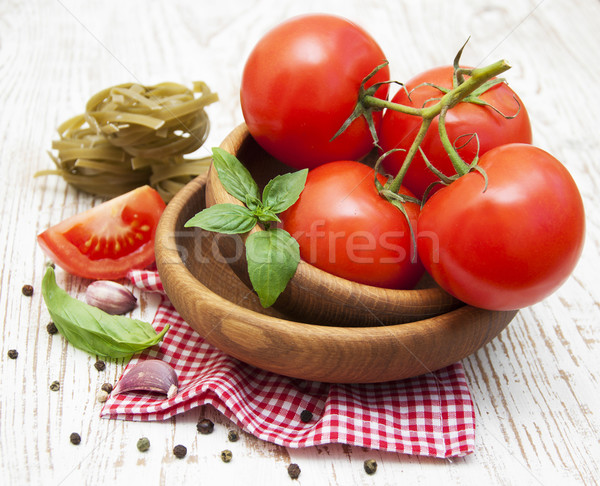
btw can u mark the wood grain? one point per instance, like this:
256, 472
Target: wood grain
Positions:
535, 387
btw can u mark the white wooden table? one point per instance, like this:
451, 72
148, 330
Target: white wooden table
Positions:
536, 387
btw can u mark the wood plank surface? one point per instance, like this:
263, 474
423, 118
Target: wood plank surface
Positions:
535, 387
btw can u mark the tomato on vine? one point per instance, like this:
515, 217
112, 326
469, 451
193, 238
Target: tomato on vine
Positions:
301, 82
344, 227
510, 244
502, 120
507, 225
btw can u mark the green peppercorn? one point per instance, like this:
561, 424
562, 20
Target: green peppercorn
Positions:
226, 455
143, 444
55, 386
13, 354
180, 451
75, 438
293, 471
233, 436
370, 466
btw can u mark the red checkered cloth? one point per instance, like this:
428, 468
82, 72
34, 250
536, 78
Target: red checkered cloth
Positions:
430, 415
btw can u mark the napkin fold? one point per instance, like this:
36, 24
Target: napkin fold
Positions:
429, 415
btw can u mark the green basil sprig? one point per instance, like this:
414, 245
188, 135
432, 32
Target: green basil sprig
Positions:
272, 255
93, 330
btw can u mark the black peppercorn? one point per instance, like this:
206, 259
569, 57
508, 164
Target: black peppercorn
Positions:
306, 416
143, 444
180, 451
27, 290
233, 436
55, 386
13, 354
51, 328
205, 426
107, 387
293, 471
75, 438
100, 365
370, 466
226, 455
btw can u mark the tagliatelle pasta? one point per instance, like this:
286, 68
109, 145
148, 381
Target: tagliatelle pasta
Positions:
131, 135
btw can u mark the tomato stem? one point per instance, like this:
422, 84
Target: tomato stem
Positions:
394, 185
459, 164
378, 103
477, 78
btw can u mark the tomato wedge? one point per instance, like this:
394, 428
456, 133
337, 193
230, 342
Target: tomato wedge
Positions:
108, 240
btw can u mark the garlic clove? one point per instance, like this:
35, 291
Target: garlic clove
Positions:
150, 375
111, 297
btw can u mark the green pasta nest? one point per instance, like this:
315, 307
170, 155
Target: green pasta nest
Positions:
131, 135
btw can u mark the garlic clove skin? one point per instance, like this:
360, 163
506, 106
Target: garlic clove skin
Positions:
111, 297
150, 375
173, 390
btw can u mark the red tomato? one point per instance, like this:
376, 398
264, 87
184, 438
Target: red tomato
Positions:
108, 240
512, 245
301, 82
345, 228
399, 130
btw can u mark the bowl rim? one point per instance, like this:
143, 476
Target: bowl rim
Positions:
299, 340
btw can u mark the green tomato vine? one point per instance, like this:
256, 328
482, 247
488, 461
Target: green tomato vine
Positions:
468, 85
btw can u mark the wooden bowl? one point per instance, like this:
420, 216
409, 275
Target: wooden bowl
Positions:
314, 295
213, 301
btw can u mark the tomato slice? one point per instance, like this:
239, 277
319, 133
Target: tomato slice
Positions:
108, 240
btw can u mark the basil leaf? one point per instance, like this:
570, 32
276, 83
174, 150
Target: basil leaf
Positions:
266, 216
93, 330
235, 178
224, 218
253, 203
273, 257
284, 190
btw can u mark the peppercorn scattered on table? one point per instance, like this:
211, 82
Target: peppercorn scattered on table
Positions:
534, 387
